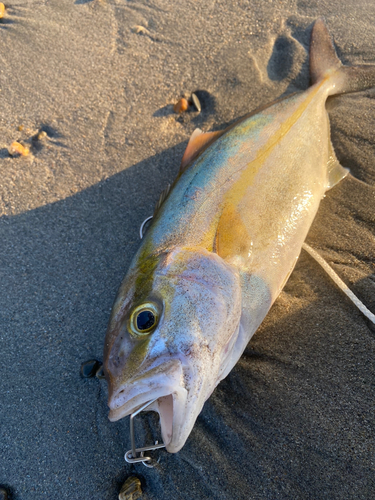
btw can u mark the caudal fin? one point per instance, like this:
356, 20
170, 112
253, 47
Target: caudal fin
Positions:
325, 65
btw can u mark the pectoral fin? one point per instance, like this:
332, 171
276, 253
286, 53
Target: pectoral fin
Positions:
232, 241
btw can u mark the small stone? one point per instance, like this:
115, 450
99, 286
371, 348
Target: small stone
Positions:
100, 373
3, 494
196, 102
20, 128
131, 489
89, 368
181, 106
42, 135
140, 29
2, 14
16, 149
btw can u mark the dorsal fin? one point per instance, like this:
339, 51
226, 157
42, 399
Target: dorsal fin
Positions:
162, 198
198, 141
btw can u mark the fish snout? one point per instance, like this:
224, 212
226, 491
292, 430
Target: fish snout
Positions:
126, 396
177, 406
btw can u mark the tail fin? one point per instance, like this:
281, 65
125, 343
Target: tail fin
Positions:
325, 65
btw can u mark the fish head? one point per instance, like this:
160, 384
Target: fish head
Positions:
170, 334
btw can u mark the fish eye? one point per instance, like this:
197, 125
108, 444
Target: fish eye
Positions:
143, 319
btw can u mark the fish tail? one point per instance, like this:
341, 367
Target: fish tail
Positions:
325, 65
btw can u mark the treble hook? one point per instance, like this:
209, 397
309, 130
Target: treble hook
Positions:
131, 455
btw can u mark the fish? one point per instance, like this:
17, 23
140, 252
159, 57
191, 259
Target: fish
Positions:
222, 243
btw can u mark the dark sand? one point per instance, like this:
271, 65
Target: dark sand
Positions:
295, 418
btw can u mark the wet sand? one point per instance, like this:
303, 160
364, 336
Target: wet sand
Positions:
295, 418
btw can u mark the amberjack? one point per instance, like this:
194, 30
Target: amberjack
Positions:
222, 243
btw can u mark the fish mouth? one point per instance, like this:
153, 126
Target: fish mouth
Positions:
169, 398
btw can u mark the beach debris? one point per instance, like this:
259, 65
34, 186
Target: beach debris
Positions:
181, 105
140, 29
20, 128
90, 368
18, 149
2, 10
100, 373
196, 102
131, 489
221, 248
42, 135
3, 494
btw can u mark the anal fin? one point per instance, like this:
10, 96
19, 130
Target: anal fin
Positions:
336, 172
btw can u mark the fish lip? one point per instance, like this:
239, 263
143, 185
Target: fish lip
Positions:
160, 401
155, 381
163, 383
133, 404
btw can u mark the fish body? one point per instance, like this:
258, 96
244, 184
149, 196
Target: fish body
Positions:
221, 247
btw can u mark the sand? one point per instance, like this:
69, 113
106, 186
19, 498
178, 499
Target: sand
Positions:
295, 418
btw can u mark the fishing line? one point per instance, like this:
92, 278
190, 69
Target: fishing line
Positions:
332, 274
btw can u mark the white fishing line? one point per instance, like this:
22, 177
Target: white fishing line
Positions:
331, 273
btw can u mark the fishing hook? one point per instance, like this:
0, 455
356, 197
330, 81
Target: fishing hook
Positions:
131, 455
143, 225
